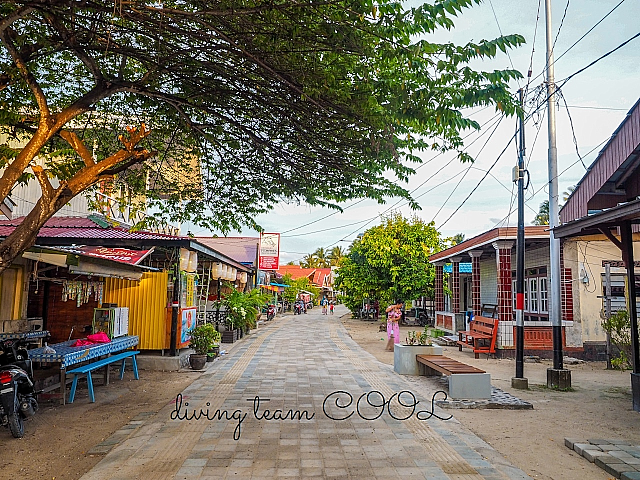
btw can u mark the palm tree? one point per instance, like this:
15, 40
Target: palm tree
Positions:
542, 217
567, 193
335, 255
321, 258
458, 238
309, 261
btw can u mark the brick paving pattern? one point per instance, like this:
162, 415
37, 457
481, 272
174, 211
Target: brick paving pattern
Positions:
616, 457
296, 363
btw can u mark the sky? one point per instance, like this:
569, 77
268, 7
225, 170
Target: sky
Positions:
597, 100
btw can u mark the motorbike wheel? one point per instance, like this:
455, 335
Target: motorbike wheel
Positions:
424, 320
16, 425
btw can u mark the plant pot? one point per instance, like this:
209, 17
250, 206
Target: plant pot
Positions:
197, 362
229, 336
210, 358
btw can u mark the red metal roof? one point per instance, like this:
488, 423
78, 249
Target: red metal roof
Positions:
62, 222
81, 227
296, 271
509, 233
317, 276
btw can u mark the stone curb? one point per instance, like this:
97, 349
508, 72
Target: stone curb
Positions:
616, 457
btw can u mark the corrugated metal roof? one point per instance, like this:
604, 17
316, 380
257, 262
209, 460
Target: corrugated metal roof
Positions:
600, 187
62, 222
82, 227
508, 233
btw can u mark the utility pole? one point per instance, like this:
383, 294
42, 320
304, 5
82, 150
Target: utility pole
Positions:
557, 377
519, 381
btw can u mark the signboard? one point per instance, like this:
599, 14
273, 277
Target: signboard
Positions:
268, 256
122, 255
188, 322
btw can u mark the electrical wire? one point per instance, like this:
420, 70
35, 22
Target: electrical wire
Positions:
579, 40
478, 184
558, 176
564, 81
467, 171
564, 15
501, 34
573, 131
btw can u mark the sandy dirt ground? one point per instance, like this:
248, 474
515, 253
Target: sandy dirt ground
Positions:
57, 439
599, 406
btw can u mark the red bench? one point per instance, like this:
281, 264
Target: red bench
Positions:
481, 336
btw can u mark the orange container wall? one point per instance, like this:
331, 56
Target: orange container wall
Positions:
147, 302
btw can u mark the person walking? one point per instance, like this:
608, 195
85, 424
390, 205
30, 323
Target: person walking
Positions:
331, 308
324, 302
394, 313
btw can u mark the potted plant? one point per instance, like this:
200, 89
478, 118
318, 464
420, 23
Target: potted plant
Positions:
215, 349
242, 311
202, 340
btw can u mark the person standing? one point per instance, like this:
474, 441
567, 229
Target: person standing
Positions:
331, 308
394, 313
324, 302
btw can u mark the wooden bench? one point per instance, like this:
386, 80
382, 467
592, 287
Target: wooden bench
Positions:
481, 336
465, 381
105, 362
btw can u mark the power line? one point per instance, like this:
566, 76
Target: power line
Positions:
500, 30
573, 131
417, 168
598, 59
558, 176
599, 108
580, 39
564, 15
478, 184
468, 169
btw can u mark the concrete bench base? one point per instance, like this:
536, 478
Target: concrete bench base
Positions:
404, 357
472, 386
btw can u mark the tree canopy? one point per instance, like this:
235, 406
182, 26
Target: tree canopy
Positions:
231, 106
390, 261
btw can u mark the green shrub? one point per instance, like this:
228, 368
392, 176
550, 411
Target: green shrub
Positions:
619, 328
203, 338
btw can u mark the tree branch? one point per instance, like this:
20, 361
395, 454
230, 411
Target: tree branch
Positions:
70, 39
45, 185
78, 145
26, 75
139, 158
20, 13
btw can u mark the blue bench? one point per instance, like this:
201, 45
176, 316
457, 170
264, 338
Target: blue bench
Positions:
87, 369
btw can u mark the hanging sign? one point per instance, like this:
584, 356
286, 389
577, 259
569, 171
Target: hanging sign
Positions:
269, 251
123, 255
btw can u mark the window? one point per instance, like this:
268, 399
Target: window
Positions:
543, 295
536, 294
533, 294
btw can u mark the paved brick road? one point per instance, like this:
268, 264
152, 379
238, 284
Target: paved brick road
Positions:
295, 365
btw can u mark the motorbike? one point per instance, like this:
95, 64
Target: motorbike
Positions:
271, 312
299, 308
17, 393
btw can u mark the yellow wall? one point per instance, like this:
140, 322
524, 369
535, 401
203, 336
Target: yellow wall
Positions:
11, 293
147, 302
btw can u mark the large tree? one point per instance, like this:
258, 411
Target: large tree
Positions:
390, 261
247, 103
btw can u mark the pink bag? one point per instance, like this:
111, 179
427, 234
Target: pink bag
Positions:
99, 337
